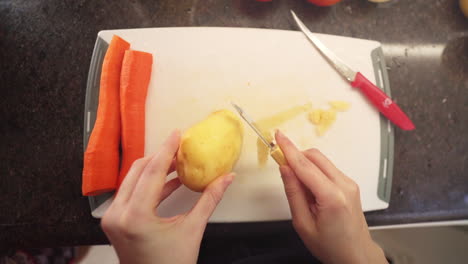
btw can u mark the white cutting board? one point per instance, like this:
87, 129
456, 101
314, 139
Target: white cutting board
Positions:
199, 70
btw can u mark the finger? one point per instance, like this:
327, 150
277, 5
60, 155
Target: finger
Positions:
149, 186
297, 199
168, 189
329, 169
324, 164
128, 184
209, 199
172, 168
311, 176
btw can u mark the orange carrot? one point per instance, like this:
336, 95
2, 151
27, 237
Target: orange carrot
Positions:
134, 80
101, 158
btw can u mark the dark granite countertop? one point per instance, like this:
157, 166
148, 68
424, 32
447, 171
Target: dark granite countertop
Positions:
45, 51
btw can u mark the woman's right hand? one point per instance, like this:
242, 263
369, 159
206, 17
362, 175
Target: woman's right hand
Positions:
326, 208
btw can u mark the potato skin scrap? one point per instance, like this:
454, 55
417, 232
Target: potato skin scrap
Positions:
322, 119
328, 117
340, 105
315, 116
263, 151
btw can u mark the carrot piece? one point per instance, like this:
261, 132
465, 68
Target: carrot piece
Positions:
101, 158
134, 80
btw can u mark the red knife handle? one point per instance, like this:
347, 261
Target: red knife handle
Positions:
385, 105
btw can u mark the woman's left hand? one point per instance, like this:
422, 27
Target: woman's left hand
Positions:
131, 223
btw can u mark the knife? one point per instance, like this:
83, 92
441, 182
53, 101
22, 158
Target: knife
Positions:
275, 151
378, 98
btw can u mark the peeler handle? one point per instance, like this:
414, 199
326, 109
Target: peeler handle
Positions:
278, 155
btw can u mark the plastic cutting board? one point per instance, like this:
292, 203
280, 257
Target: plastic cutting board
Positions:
199, 70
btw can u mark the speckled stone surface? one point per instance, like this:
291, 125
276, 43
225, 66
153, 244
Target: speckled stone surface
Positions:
45, 51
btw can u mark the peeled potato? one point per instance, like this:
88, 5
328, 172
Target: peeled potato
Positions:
209, 149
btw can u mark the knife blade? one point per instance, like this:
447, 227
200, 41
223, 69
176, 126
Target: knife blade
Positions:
378, 98
275, 151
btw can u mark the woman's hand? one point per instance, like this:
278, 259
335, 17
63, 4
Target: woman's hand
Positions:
326, 208
138, 234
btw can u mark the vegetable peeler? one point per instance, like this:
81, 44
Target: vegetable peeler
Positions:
275, 151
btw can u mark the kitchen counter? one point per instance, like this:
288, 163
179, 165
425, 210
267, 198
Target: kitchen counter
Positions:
45, 51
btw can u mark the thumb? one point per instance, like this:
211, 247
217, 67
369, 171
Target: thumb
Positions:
210, 198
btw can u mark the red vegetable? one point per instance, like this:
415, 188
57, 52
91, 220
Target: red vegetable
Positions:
101, 158
134, 80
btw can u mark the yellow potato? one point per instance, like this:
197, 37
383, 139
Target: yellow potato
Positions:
209, 149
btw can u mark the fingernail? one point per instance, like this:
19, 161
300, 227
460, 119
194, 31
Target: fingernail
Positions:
278, 133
